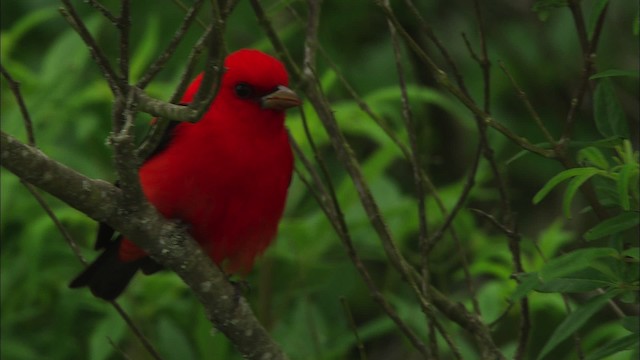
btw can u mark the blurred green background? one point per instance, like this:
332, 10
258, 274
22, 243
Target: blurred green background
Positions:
297, 286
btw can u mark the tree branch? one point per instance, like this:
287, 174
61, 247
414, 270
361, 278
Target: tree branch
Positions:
163, 240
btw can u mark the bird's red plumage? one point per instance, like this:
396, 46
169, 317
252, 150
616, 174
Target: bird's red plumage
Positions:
227, 175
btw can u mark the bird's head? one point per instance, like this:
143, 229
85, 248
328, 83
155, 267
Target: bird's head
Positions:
253, 78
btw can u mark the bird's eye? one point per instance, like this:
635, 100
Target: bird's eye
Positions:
244, 90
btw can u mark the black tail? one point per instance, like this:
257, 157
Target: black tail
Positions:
107, 276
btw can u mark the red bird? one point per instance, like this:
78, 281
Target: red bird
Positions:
225, 176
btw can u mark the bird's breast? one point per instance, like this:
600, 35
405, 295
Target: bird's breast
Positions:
230, 190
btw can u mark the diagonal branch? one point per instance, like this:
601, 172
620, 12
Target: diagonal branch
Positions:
69, 13
159, 63
161, 239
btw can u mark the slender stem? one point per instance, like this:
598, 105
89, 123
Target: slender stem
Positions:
124, 25
161, 60
581, 29
352, 325
14, 86
525, 100
213, 64
277, 44
69, 13
108, 14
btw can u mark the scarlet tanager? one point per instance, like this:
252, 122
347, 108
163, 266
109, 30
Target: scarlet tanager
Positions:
225, 176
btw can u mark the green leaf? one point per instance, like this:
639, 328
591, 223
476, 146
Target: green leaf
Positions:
632, 323
619, 223
628, 342
627, 172
543, 7
572, 262
610, 142
528, 282
632, 252
615, 73
593, 156
610, 119
570, 285
562, 176
572, 188
574, 321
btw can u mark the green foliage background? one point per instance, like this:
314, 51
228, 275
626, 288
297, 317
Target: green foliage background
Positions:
297, 286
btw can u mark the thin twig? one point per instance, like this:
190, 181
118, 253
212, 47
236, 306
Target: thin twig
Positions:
485, 63
161, 60
213, 64
69, 13
14, 86
73, 245
581, 29
447, 338
514, 245
157, 131
525, 100
281, 50
106, 12
464, 194
380, 122
334, 212
353, 327
61, 228
436, 41
588, 68
184, 7
143, 339
228, 311
442, 79
407, 115
117, 348
124, 25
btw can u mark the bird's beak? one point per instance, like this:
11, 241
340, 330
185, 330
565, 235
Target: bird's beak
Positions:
281, 99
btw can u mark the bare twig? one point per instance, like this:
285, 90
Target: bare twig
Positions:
514, 245
464, 194
581, 29
117, 348
143, 339
485, 63
447, 338
588, 68
426, 181
329, 204
14, 86
281, 50
442, 79
353, 327
184, 7
213, 64
69, 13
525, 100
407, 115
178, 112
106, 12
436, 41
124, 25
164, 241
159, 63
